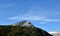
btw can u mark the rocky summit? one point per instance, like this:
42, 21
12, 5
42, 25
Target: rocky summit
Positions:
23, 28
23, 23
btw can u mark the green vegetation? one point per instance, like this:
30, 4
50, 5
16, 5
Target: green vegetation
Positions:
22, 31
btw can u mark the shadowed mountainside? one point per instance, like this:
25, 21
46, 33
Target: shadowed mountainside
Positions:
11, 30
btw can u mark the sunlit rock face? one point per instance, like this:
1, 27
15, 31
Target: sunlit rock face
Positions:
23, 23
55, 33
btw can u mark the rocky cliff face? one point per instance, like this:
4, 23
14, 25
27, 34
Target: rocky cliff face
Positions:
23, 28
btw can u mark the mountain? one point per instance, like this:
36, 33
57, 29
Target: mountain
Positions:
23, 28
23, 23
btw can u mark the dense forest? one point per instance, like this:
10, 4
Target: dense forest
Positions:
22, 31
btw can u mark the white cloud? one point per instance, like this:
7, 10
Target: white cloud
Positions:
52, 20
49, 20
30, 16
14, 18
55, 13
3, 24
42, 22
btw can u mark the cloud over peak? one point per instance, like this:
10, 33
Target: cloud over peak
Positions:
29, 16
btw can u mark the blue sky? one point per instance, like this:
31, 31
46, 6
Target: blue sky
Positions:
44, 14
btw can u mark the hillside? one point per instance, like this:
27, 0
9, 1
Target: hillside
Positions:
11, 30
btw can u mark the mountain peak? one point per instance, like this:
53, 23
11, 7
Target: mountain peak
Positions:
23, 23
